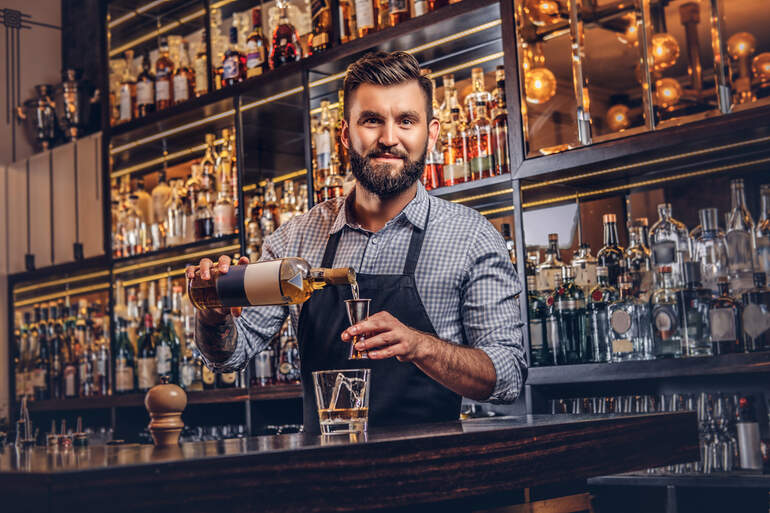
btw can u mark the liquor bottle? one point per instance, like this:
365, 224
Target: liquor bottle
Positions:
276, 282
268, 220
208, 377
500, 128
263, 368
480, 150
143, 202
419, 7
567, 302
161, 196
40, 356
146, 363
168, 347
540, 351
696, 300
128, 107
164, 70
286, 47
455, 145
383, 14
478, 95
666, 312
725, 315
288, 360
669, 243
638, 263
611, 254
288, 202
597, 317
234, 62
321, 14
175, 216
585, 265
200, 68
227, 379
323, 139
399, 11
145, 88
762, 232
451, 100
347, 21
710, 249
55, 338
204, 218
551, 266
434, 158
629, 333
102, 382
756, 315
256, 46
86, 369
69, 356
740, 241
365, 16
184, 76
505, 230
124, 361
254, 235
224, 211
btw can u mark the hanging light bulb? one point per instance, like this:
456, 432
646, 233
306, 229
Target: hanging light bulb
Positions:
664, 51
667, 92
630, 36
617, 118
542, 12
741, 44
540, 85
760, 66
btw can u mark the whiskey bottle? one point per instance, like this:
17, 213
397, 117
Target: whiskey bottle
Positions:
597, 317
86, 368
347, 21
256, 46
551, 266
286, 47
611, 254
145, 88
284, 281
696, 300
55, 338
669, 243
725, 315
567, 302
756, 316
201, 70
175, 216
164, 70
184, 76
762, 232
740, 241
128, 107
263, 367
124, 361
365, 16
102, 359
629, 334
666, 312
585, 265
323, 138
500, 128
710, 249
321, 14
383, 14
224, 212
399, 11
480, 154
638, 264
434, 159
540, 351
455, 145
234, 62
146, 363
478, 94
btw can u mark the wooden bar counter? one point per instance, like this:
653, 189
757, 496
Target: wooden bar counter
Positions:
456, 466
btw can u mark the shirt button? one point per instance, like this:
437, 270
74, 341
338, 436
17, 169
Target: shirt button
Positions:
374, 240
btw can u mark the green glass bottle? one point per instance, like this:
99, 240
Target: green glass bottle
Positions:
168, 348
124, 361
541, 353
146, 363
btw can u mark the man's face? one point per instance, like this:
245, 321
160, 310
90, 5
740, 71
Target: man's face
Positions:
388, 134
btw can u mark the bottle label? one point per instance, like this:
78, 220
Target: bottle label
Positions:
230, 68
664, 319
536, 335
181, 88
253, 284
228, 377
146, 372
255, 57
125, 104
201, 81
101, 367
398, 6
585, 275
481, 166
620, 320
722, 323
455, 173
188, 373
20, 387
364, 14
162, 90
739, 254
163, 357
763, 255
70, 375
224, 219
622, 346
755, 320
323, 149
546, 279
264, 367
570, 304
208, 376
145, 93
420, 7
39, 379
664, 252
124, 376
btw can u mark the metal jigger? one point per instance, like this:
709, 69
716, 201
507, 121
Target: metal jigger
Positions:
358, 310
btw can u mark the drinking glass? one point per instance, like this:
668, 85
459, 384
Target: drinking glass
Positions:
342, 399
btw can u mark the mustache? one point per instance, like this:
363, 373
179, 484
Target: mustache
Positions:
387, 154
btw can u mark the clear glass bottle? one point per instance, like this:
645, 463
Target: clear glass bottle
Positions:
175, 216
204, 218
762, 232
480, 149
164, 70
540, 352
288, 359
597, 317
184, 76
725, 315
479, 94
740, 241
585, 265
666, 312
710, 249
638, 263
611, 254
201, 70
168, 347
630, 337
455, 145
552, 327
224, 212
551, 266
128, 109
323, 139
669, 243
568, 303
756, 315
696, 300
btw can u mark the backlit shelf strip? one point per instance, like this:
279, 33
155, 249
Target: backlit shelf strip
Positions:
277, 179
160, 160
136, 12
482, 196
153, 277
174, 259
157, 32
63, 293
61, 281
264, 101
496, 211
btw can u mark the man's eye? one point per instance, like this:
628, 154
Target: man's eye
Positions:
407, 121
369, 121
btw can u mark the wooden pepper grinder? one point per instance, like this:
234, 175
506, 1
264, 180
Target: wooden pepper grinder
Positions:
165, 404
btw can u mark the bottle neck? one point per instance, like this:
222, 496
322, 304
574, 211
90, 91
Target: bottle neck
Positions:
610, 234
765, 212
738, 197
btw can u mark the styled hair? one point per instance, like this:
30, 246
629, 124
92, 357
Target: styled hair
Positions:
386, 69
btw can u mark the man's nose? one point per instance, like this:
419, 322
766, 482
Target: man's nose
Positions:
388, 135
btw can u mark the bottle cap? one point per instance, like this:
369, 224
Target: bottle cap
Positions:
641, 221
609, 218
553, 237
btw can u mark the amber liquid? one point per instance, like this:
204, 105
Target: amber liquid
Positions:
340, 415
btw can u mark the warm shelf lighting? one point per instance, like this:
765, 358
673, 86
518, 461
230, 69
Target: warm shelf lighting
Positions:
174, 259
152, 277
761, 66
133, 14
617, 118
668, 92
61, 281
540, 85
155, 33
264, 101
664, 51
277, 179
496, 211
63, 293
467, 199
465, 65
166, 133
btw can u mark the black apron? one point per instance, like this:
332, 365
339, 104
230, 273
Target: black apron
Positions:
400, 392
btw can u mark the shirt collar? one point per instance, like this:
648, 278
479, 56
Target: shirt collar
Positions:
416, 212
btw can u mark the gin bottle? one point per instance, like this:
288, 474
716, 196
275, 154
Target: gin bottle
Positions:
584, 264
756, 315
551, 266
725, 321
597, 317
552, 329
638, 263
740, 240
629, 333
762, 232
669, 243
540, 353
568, 303
666, 312
696, 300
611, 254
710, 249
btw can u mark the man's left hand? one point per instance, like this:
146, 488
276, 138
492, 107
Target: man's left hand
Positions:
386, 337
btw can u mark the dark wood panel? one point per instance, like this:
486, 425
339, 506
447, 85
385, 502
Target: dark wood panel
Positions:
738, 479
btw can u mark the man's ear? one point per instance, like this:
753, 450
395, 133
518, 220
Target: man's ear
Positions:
345, 134
434, 129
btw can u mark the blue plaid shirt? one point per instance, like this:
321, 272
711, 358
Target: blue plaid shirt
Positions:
464, 277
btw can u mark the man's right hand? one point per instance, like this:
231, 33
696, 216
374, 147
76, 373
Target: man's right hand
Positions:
204, 271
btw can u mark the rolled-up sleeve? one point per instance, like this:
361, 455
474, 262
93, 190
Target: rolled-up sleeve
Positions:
490, 312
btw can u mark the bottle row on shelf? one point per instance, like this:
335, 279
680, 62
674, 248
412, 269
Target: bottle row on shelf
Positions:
708, 295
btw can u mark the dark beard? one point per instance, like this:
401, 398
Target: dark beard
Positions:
377, 178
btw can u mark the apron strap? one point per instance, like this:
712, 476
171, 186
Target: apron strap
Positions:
331, 249
415, 246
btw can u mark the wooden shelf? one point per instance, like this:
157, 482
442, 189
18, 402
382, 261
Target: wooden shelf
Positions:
275, 392
651, 369
738, 479
147, 259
